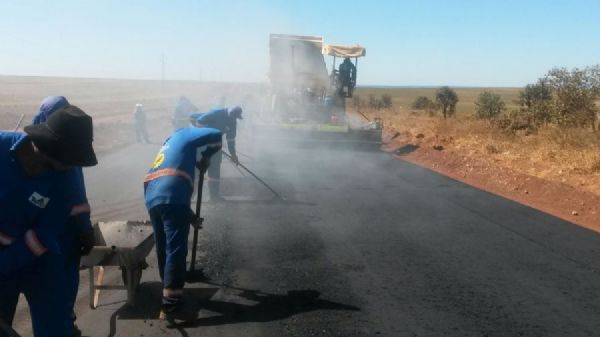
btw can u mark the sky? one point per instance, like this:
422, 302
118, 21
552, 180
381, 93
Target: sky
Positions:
486, 43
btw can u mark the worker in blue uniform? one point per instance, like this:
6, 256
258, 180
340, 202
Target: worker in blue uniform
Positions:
36, 183
224, 120
49, 105
347, 76
78, 237
168, 188
181, 116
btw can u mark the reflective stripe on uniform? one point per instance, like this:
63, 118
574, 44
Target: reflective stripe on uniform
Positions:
34, 244
80, 209
6, 239
168, 172
214, 144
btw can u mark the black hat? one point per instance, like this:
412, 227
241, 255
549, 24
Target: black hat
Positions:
66, 136
235, 112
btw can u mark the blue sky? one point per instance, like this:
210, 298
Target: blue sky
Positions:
426, 42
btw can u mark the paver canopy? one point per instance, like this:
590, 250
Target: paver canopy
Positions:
344, 51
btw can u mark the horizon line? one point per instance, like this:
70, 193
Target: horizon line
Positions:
361, 86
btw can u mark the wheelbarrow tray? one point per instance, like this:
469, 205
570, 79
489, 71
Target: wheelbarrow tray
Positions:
125, 244
120, 243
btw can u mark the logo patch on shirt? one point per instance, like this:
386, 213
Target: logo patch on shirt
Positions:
158, 160
39, 200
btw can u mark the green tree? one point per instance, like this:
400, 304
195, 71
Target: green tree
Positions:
446, 99
574, 95
537, 93
489, 105
536, 103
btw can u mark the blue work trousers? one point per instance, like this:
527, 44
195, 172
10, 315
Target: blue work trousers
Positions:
171, 227
43, 284
71, 247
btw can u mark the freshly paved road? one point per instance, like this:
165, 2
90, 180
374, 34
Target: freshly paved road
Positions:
363, 245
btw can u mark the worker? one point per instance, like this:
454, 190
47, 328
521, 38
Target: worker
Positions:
347, 73
78, 237
168, 188
181, 115
36, 183
49, 105
224, 120
139, 118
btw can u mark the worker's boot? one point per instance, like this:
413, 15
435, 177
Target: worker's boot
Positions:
170, 306
76, 332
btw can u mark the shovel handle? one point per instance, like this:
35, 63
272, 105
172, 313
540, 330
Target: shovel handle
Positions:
196, 228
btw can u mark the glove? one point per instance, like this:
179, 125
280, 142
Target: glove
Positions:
196, 221
87, 241
202, 165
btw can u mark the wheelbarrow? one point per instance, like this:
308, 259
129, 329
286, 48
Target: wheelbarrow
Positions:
124, 244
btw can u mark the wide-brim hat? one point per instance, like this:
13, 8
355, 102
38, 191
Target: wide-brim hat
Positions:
66, 137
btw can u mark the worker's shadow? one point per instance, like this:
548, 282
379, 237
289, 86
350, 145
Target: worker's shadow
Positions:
221, 305
258, 306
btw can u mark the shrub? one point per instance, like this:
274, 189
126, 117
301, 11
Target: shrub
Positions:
489, 105
422, 103
386, 101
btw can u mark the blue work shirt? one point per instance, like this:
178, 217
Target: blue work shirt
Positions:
33, 210
219, 119
80, 211
170, 180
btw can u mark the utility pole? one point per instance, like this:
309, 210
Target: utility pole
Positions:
162, 75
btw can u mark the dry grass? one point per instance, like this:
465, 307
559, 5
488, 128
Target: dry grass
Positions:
569, 156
